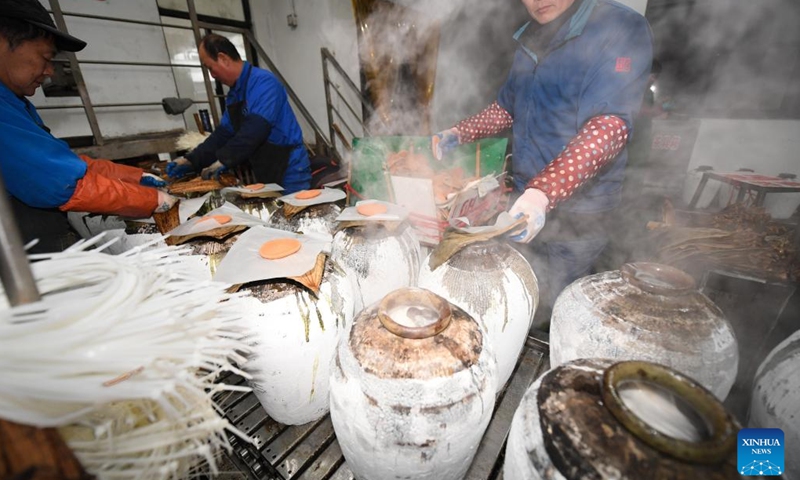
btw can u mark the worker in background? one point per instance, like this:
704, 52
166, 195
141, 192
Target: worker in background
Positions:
258, 125
43, 176
575, 85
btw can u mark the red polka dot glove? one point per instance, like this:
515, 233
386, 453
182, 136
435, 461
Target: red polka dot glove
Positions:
491, 121
532, 203
596, 145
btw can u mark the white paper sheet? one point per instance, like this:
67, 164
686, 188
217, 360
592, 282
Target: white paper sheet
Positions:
504, 219
243, 264
394, 213
328, 195
199, 225
186, 208
269, 187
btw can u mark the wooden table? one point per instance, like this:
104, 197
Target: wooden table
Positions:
761, 184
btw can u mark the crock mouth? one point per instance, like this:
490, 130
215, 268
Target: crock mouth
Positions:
658, 279
719, 431
414, 313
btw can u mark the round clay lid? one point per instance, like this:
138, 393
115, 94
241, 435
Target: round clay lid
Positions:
370, 209
307, 194
279, 248
414, 333
221, 219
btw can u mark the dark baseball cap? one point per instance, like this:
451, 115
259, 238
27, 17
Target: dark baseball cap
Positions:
31, 11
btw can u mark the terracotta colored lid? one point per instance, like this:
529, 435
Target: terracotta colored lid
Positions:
254, 186
370, 209
221, 219
307, 194
279, 248
429, 347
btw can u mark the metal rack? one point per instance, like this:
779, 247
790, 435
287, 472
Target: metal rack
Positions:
311, 451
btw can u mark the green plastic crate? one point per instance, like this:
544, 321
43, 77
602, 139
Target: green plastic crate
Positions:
369, 178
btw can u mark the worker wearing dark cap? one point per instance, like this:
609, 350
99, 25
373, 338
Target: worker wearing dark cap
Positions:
42, 175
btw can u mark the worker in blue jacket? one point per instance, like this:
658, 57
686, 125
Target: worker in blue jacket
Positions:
258, 125
576, 83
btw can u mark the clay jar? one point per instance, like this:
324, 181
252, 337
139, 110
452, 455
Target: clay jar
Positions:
496, 285
294, 334
646, 311
599, 419
776, 399
377, 258
413, 389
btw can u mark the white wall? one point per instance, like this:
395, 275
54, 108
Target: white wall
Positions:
113, 83
296, 52
766, 146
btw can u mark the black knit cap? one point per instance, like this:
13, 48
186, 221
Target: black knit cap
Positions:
31, 11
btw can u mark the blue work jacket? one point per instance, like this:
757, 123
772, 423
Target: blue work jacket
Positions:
267, 117
38, 168
597, 64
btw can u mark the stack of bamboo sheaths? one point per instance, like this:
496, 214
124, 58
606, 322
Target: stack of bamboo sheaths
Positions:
740, 239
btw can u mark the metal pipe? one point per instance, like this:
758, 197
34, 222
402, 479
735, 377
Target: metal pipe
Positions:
222, 28
330, 58
174, 76
15, 272
94, 125
137, 64
123, 20
206, 79
108, 105
327, 83
347, 104
344, 122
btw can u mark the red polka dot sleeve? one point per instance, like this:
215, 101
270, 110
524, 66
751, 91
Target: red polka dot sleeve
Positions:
596, 144
491, 121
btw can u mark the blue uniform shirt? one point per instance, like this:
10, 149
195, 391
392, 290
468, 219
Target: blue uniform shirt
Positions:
267, 117
597, 64
38, 169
